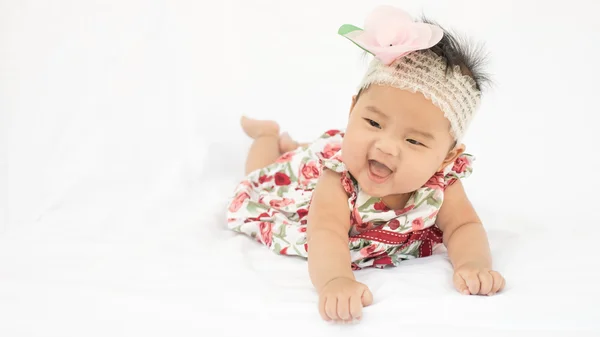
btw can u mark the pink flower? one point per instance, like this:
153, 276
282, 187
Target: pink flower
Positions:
302, 213
237, 202
302, 229
332, 133
282, 179
284, 158
347, 184
330, 150
460, 164
417, 224
264, 179
266, 233
367, 251
310, 170
281, 203
391, 33
436, 181
394, 224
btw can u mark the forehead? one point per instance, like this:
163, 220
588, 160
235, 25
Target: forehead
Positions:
395, 102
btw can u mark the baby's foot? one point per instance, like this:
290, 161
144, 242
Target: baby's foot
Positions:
286, 143
255, 128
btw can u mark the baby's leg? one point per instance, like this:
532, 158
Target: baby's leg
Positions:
265, 148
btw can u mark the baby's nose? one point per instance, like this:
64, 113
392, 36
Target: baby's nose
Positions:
388, 146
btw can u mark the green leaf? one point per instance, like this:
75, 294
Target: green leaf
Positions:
293, 177
345, 29
367, 204
282, 231
277, 247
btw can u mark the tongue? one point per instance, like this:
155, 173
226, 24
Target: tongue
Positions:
379, 169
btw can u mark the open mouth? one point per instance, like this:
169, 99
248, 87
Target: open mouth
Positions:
378, 172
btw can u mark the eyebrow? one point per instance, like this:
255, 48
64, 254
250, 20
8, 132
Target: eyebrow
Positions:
422, 133
375, 110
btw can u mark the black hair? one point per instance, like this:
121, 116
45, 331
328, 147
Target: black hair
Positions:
458, 51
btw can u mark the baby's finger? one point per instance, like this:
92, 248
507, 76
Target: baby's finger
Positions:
322, 302
367, 298
343, 308
472, 283
486, 282
498, 282
356, 307
460, 284
331, 308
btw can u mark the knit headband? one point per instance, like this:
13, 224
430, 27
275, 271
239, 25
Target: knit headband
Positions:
402, 60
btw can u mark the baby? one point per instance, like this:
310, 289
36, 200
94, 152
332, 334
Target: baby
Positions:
387, 188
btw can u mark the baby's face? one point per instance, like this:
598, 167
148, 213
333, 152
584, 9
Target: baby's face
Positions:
395, 141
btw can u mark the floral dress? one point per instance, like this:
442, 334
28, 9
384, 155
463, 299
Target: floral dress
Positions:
271, 205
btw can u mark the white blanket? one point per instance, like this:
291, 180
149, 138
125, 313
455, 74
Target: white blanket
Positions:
120, 129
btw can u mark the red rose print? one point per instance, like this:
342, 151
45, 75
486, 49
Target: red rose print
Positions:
436, 181
306, 247
283, 251
332, 132
301, 213
404, 210
238, 201
266, 234
367, 251
331, 149
282, 179
417, 224
285, 157
310, 170
460, 165
380, 206
264, 179
347, 184
394, 224
281, 203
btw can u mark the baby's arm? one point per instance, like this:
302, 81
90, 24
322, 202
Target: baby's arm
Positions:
467, 244
329, 263
327, 233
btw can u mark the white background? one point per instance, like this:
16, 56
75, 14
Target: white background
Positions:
116, 114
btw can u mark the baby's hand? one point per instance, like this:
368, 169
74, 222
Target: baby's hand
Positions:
342, 299
470, 280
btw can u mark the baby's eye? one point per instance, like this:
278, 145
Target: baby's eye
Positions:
373, 123
412, 141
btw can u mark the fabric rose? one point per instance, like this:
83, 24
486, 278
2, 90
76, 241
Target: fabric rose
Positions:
330, 150
266, 233
282, 179
309, 170
417, 224
460, 165
390, 33
237, 202
281, 203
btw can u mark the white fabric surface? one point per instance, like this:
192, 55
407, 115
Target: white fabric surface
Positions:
121, 145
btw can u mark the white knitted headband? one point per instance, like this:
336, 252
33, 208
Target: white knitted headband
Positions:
402, 60
425, 72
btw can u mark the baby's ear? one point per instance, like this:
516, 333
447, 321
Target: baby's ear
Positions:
452, 155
